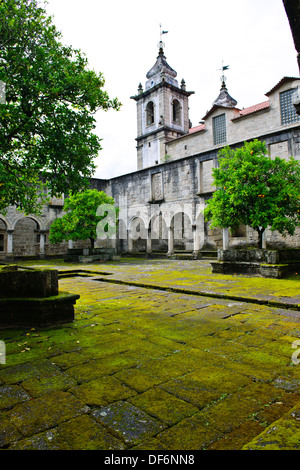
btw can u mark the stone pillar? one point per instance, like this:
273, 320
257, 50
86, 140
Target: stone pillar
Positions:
171, 241
149, 241
70, 244
10, 242
113, 242
225, 238
196, 240
129, 242
42, 244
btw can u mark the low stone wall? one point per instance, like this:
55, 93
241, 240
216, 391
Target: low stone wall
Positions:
88, 255
267, 263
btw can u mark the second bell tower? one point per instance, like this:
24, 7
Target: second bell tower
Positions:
162, 112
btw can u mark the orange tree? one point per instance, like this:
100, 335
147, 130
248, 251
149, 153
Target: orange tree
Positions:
255, 190
87, 214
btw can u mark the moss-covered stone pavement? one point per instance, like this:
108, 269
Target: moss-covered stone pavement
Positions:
162, 355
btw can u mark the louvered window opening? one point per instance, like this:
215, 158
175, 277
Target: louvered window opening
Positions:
219, 129
287, 109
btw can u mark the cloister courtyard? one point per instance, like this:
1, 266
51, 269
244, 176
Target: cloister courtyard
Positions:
162, 355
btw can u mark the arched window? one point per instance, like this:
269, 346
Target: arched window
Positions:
176, 111
1, 242
150, 113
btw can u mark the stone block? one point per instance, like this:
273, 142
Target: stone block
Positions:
30, 298
227, 267
37, 312
276, 271
88, 255
268, 263
15, 282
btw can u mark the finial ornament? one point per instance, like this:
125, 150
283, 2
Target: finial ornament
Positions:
223, 78
161, 44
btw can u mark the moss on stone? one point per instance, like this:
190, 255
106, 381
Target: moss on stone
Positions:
101, 392
45, 413
163, 406
38, 386
283, 434
146, 358
137, 380
10, 395
84, 433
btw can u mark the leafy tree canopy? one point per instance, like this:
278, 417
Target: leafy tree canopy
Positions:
255, 190
47, 112
82, 218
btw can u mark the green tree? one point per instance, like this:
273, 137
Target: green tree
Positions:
84, 213
47, 121
255, 190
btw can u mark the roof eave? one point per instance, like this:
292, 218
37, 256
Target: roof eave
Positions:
214, 108
280, 83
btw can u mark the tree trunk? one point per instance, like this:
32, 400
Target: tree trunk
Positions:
92, 243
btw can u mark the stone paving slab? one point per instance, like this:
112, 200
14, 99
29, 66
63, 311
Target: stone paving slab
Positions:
155, 369
193, 277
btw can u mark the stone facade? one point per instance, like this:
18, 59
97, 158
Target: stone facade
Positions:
161, 204
259, 121
28, 236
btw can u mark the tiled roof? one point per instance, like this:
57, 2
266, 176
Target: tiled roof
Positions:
192, 130
252, 109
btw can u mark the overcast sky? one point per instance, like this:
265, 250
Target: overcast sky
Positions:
120, 39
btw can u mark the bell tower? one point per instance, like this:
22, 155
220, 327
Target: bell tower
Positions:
162, 112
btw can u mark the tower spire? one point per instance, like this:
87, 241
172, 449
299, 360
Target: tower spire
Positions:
224, 99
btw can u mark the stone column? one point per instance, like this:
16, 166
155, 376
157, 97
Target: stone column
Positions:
10, 242
129, 242
196, 240
42, 244
170, 241
149, 241
70, 244
113, 243
225, 238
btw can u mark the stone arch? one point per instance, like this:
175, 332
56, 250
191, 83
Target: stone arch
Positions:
150, 113
181, 226
39, 223
3, 235
137, 234
26, 236
6, 224
176, 111
158, 233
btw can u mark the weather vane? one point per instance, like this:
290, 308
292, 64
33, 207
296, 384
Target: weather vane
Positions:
224, 67
162, 32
